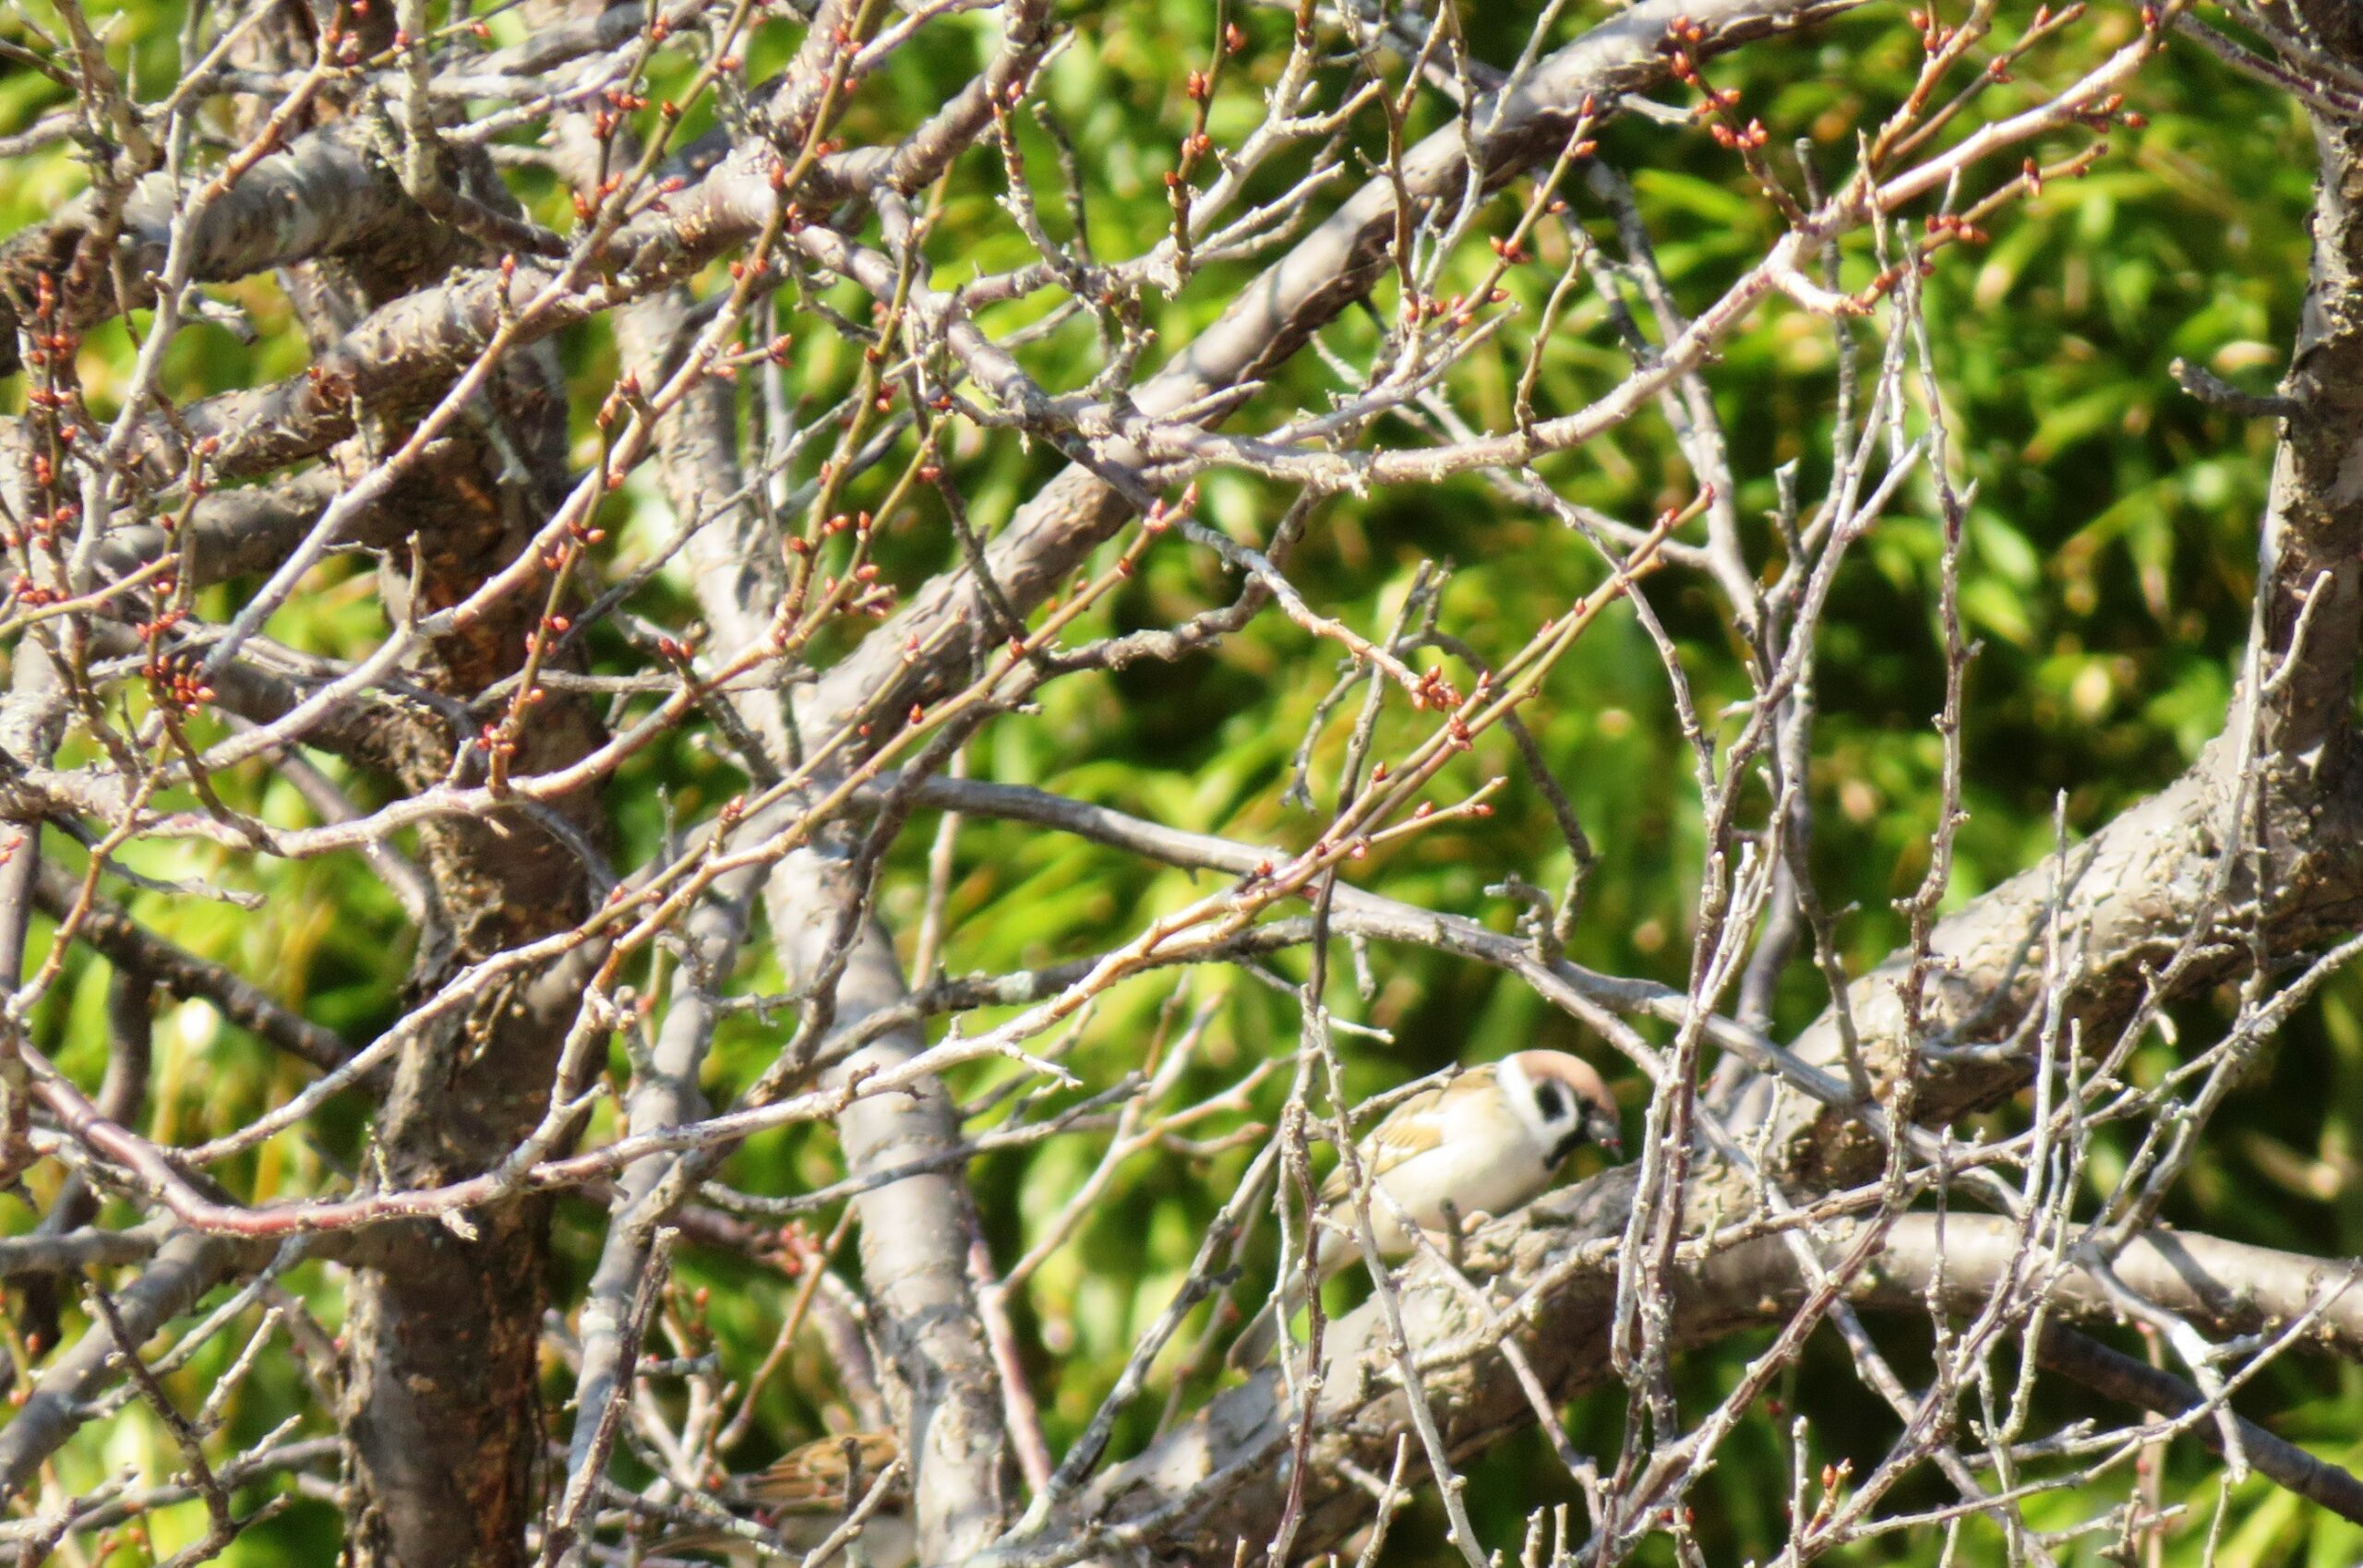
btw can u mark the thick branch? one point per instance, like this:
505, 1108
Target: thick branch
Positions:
2120, 1376
1567, 1245
915, 1232
2257, 847
111, 931
322, 193
184, 1268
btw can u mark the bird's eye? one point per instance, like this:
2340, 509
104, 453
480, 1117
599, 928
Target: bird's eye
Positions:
1551, 1100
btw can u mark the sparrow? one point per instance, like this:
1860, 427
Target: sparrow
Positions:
803, 1497
1483, 1143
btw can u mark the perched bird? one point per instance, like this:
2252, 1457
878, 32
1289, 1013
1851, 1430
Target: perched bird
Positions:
803, 1497
1483, 1143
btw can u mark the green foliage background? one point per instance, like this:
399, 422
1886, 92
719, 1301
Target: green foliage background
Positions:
2110, 557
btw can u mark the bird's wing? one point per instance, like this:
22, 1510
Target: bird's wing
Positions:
813, 1477
1409, 1132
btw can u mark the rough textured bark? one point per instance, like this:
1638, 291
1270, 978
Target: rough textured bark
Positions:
443, 1407
442, 1399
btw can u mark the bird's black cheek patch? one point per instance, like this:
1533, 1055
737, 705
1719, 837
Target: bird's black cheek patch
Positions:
1551, 1100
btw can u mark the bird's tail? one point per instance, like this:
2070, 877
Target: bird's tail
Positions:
720, 1543
1255, 1341
1254, 1346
